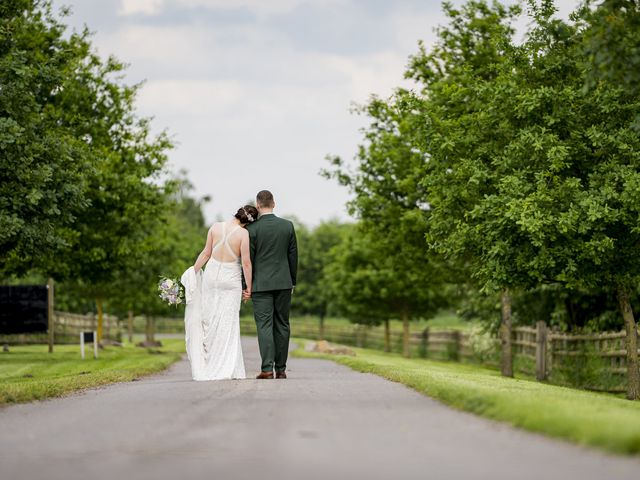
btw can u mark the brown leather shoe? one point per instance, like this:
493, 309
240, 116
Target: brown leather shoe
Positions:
265, 375
281, 375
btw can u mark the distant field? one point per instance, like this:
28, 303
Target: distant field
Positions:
31, 373
443, 320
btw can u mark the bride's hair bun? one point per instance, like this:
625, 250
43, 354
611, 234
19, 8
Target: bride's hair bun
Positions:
247, 214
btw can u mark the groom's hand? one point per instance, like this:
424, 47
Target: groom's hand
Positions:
246, 295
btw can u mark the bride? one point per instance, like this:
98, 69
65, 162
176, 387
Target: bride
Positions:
212, 314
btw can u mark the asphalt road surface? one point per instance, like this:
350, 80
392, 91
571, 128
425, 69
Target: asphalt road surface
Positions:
324, 422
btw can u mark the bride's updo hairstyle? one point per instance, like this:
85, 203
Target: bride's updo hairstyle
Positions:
247, 214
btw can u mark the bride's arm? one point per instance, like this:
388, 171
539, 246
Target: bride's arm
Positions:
247, 269
205, 253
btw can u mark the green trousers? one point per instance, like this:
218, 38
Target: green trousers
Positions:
271, 313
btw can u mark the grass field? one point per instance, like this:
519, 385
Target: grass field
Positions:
30, 373
599, 420
442, 320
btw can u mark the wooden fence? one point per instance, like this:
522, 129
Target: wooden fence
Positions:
67, 327
595, 361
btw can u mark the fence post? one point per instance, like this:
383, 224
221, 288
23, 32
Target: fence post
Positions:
425, 343
541, 350
506, 360
455, 351
321, 334
50, 313
130, 325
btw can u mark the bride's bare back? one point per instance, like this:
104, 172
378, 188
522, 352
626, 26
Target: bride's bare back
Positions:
226, 239
227, 242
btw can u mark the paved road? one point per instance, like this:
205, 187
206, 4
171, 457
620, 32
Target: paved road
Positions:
325, 421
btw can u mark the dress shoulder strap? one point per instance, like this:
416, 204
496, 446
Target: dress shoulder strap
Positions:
222, 239
226, 241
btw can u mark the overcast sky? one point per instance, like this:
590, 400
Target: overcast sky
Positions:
257, 92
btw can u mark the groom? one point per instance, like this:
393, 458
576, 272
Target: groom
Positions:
274, 256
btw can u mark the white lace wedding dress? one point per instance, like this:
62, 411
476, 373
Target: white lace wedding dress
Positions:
212, 314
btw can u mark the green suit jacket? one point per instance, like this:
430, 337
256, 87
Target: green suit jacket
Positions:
274, 253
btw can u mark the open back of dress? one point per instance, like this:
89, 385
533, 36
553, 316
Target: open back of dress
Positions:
220, 356
222, 251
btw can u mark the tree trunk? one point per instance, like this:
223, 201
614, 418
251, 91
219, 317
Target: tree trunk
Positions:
405, 333
151, 329
321, 327
631, 344
130, 325
506, 363
387, 336
100, 318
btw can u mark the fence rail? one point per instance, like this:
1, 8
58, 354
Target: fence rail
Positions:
596, 361
67, 326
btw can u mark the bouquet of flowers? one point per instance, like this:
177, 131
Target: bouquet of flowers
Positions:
171, 291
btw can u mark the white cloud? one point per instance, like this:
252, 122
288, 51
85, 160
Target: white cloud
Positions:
258, 6
249, 105
256, 112
147, 7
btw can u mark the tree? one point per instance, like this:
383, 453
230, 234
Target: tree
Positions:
576, 198
552, 169
612, 43
44, 165
312, 293
127, 199
389, 201
174, 247
357, 282
83, 189
459, 138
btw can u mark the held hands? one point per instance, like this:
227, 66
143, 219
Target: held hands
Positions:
246, 295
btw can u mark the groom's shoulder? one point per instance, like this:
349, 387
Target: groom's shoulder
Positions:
285, 222
252, 226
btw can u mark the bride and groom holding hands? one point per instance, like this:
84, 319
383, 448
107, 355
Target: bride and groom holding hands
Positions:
253, 256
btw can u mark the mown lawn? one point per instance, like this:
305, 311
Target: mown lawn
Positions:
599, 420
30, 373
442, 320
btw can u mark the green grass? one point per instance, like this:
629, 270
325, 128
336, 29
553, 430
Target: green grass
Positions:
599, 420
447, 320
30, 373
442, 320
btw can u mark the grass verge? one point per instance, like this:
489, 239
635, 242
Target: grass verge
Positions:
598, 420
30, 373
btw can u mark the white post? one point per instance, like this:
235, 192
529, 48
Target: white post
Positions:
82, 344
95, 344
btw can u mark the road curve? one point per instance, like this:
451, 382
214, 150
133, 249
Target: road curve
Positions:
324, 422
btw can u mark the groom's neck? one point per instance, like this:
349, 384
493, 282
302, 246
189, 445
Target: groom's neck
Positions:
265, 211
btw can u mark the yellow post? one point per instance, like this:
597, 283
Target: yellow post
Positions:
100, 318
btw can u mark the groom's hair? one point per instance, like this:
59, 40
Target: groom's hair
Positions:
264, 199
